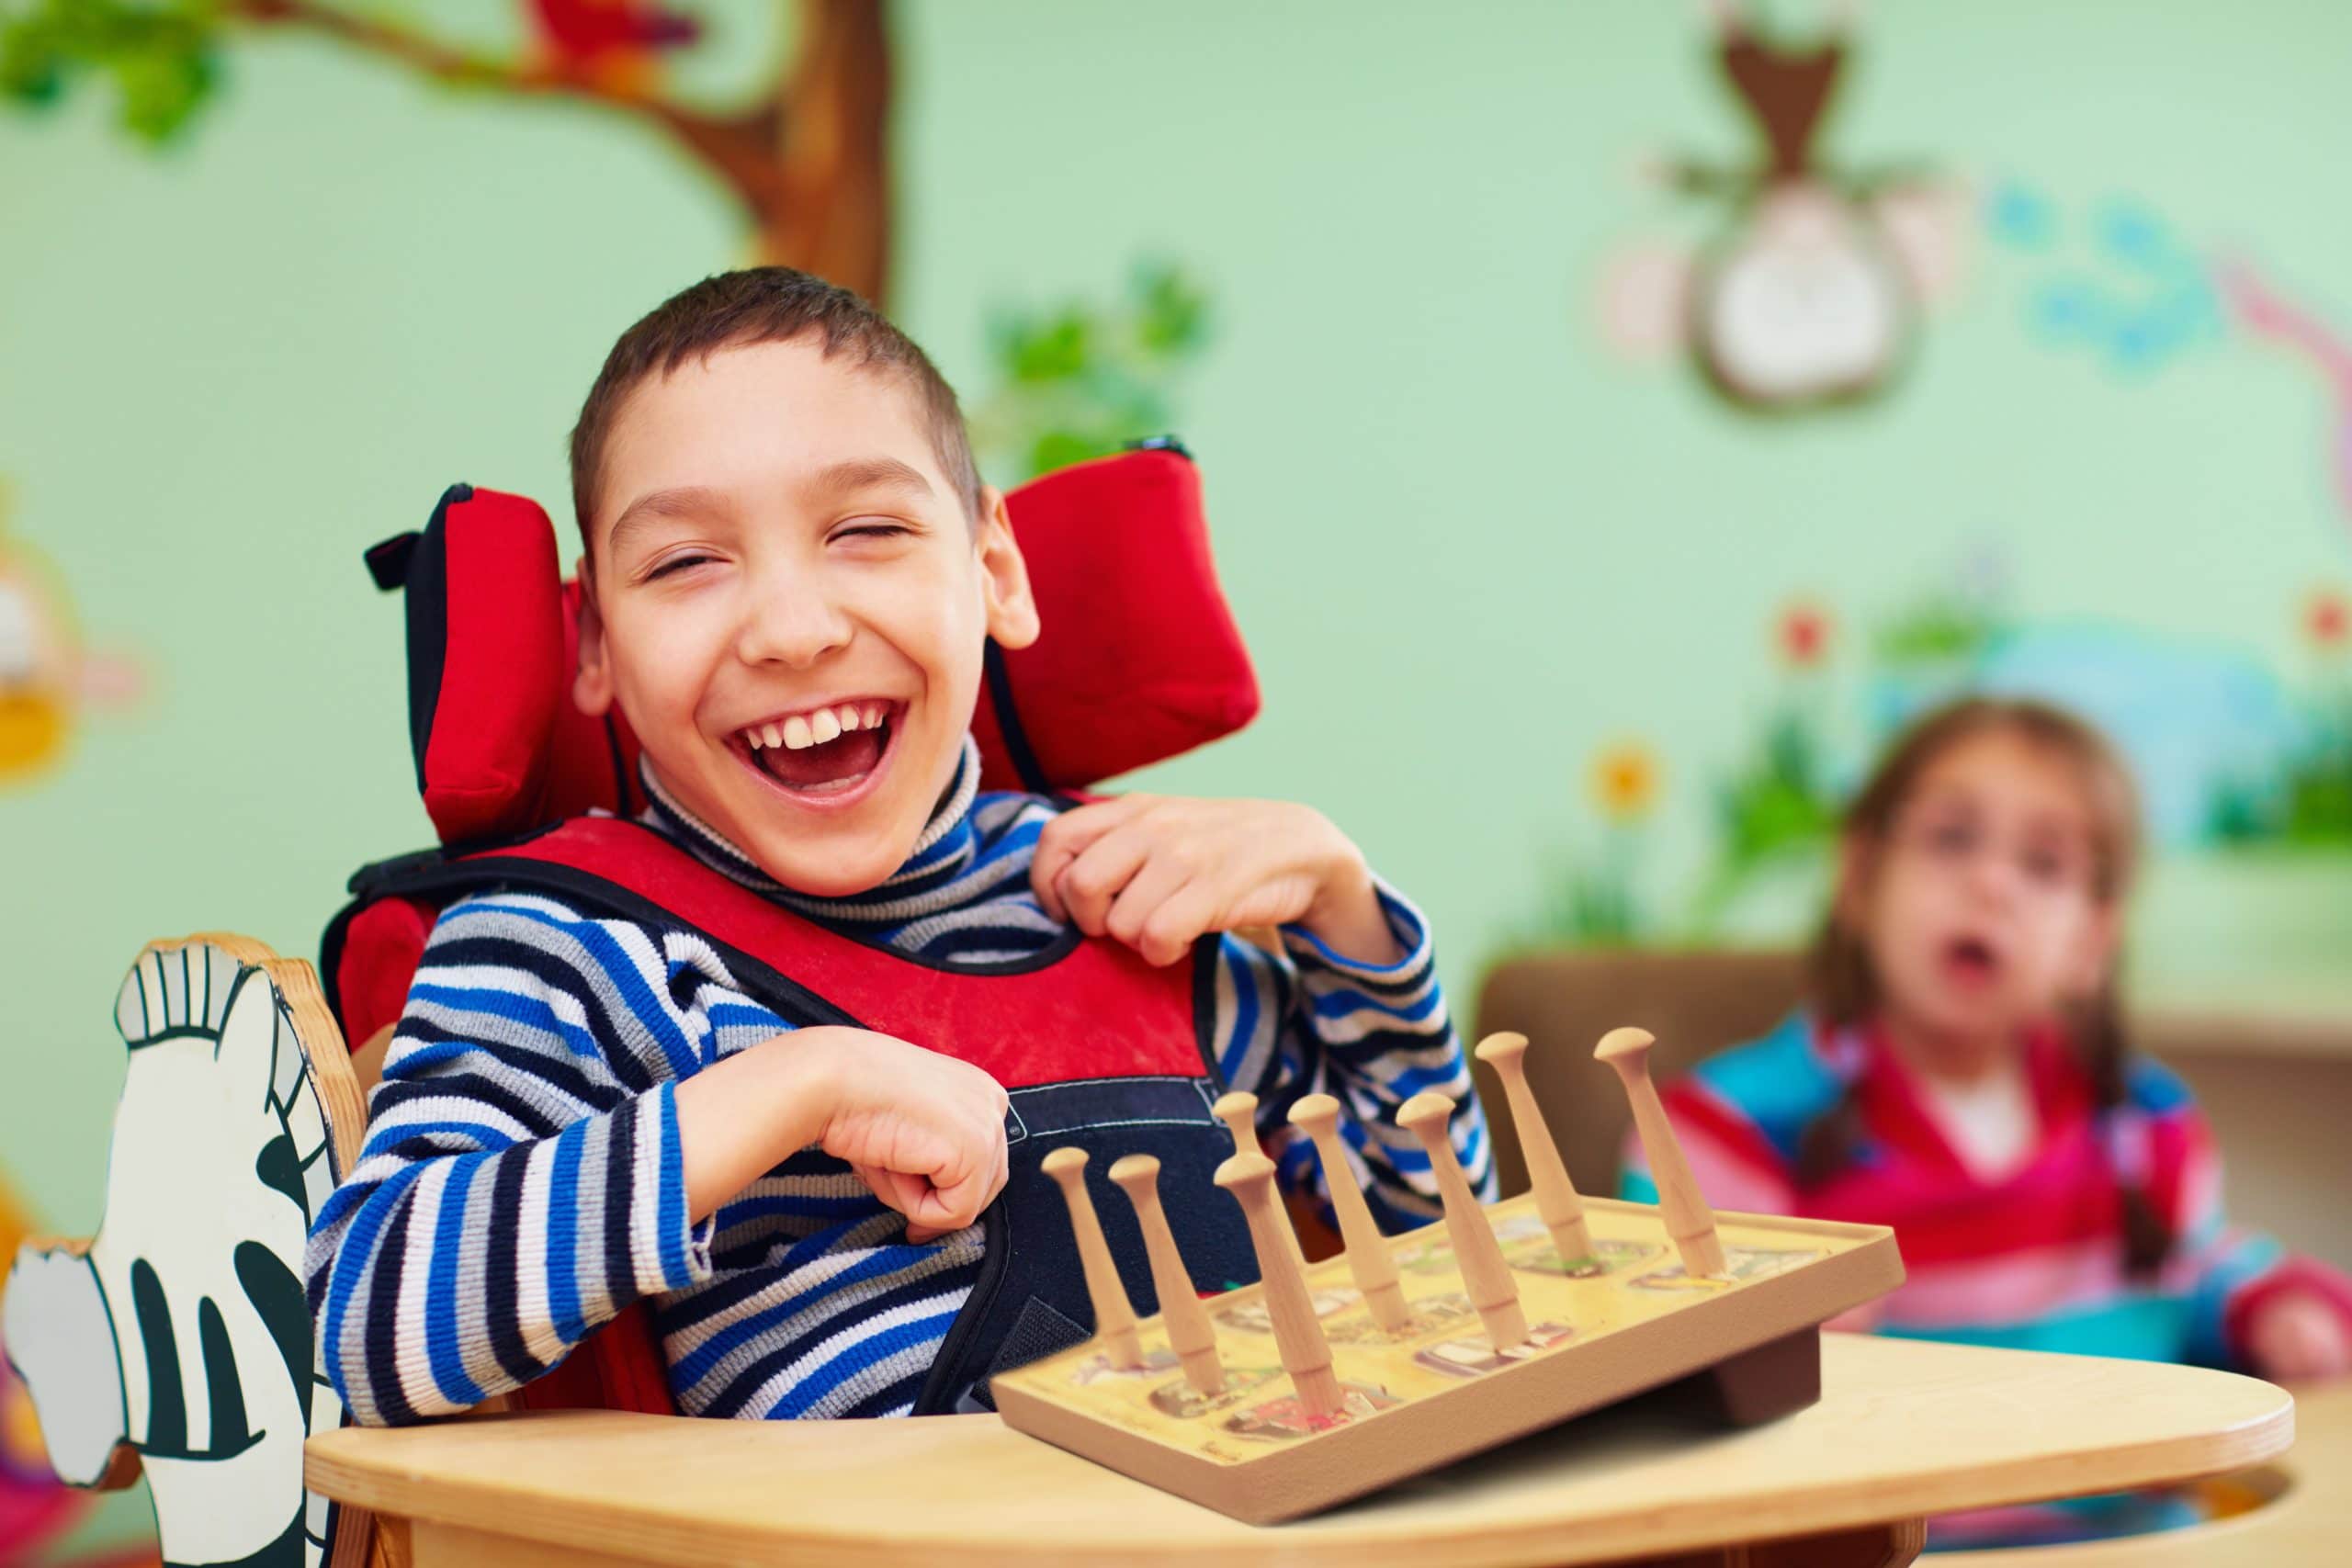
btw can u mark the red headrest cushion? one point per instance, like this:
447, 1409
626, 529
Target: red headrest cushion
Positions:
1139, 659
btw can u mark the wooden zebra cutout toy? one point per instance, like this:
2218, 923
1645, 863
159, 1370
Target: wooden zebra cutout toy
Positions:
178, 1342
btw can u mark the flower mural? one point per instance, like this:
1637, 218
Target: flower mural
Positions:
2300, 794
2228, 758
2327, 620
1590, 898
1625, 781
1803, 635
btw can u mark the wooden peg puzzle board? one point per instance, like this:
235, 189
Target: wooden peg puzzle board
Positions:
1624, 1320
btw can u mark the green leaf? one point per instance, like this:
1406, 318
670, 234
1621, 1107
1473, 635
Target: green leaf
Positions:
1077, 380
1172, 313
1048, 351
161, 92
161, 57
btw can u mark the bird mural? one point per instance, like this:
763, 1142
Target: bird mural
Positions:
49, 680
617, 44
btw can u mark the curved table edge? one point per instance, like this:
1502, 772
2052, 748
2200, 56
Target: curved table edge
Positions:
482, 1505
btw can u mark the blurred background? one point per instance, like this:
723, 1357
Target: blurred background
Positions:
1578, 608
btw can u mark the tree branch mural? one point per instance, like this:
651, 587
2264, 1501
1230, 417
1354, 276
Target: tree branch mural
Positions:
807, 161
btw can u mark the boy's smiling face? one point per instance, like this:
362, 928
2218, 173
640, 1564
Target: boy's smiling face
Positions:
776, 549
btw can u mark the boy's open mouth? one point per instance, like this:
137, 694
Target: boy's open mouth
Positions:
821, 752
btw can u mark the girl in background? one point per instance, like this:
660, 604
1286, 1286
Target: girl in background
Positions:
1959, 1072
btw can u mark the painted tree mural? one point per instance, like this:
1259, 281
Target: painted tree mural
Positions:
807, 161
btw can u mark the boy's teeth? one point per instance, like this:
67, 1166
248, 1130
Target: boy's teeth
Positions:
804, 730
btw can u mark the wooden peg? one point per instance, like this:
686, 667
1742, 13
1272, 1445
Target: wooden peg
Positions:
1115, 1317
1239, 1112
1187, 1322
1368, 1259
1689, 1220
1298, 1334
1429, 1116
1555, 1196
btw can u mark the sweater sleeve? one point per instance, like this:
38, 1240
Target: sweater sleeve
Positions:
521, 1182
1309, 1021
2226, 1273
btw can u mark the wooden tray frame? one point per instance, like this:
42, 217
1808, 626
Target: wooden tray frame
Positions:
1760, 1337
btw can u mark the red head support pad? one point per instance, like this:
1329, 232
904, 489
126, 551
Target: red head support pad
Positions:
1138, 661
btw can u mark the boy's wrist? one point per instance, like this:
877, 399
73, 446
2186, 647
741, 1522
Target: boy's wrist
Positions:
802, 1073
1348, 918
748, 1112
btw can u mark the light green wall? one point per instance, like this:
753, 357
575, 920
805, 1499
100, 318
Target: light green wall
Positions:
1466, 545
1467, 548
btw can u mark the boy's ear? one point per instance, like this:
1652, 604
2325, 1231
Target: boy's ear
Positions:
1005, 576
591, 686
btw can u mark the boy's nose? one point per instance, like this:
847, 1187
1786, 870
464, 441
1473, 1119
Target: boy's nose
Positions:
785, 627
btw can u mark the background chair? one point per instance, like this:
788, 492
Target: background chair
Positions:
1696, 1003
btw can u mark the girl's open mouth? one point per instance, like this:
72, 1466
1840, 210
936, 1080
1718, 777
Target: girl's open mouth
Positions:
1971, 962
821, 755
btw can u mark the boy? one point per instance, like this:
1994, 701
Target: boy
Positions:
790, 571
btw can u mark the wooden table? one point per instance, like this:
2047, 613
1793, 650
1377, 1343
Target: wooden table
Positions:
1903, 1429
2306, 1524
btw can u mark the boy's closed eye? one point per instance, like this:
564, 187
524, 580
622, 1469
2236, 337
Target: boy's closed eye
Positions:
876, 528
674, 564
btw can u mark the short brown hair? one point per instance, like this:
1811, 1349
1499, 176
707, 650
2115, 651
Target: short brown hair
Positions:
764, 304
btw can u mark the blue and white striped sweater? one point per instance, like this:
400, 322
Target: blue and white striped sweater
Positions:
521, 1183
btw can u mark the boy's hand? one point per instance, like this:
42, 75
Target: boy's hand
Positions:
2297, 1336
925, 1131
1157, 873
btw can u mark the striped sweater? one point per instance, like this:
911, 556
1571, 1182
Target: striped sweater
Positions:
522, 1181
2033, 1258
